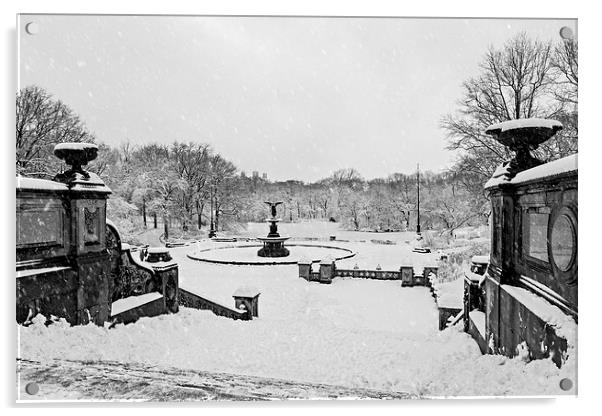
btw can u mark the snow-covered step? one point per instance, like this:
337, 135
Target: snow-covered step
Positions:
476, 328
129, 309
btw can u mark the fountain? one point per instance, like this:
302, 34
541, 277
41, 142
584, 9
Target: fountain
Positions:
271, 252
273, 244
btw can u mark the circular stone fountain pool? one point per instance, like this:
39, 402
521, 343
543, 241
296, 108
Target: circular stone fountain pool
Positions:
247, 254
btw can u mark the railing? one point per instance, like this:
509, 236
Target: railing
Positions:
474, 293
129, 277
132, 277
370, 274
449, 313
328, 271
192, 300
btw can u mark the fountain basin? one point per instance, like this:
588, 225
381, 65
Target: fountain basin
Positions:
273, 247
247, 254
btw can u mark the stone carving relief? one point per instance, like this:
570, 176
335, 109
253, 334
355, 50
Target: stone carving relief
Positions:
91, 225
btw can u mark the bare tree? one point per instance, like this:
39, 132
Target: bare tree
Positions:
106, 161
452, 210
191, 162
342, 182
520, 80
322, 199
566, 66
152, 181
42, 122
354, 207
349, 177
166, 187
566, 82
223, 186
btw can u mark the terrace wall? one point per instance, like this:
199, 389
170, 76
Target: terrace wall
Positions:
405, 274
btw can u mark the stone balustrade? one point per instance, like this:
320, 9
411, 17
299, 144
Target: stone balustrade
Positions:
328, 271
189, 299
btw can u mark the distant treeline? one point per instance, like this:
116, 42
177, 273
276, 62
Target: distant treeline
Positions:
187, 184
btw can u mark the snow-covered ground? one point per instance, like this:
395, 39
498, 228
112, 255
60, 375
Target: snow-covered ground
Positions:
353, 332
321, 230
220, 281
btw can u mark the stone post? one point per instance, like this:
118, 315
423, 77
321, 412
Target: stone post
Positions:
86, 210
327, 270
166, 273
304, 269
407, 275
158, 254
247, 298
430, 269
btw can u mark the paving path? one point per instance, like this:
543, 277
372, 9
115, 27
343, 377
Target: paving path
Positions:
110, 381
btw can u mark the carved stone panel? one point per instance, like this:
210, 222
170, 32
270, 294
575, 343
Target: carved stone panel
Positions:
90, 225
38, 226
41, 230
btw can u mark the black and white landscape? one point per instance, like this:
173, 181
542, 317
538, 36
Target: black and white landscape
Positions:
368, 133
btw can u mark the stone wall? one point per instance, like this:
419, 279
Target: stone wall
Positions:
523, 278
511, 322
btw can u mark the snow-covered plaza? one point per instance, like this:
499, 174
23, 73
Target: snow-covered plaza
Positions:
353, 332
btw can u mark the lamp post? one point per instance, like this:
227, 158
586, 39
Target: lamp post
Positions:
418, 200
212, 232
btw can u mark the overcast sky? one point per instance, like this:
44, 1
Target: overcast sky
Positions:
296, 98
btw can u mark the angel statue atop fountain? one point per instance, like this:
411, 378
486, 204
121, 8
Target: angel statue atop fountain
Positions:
273, 206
